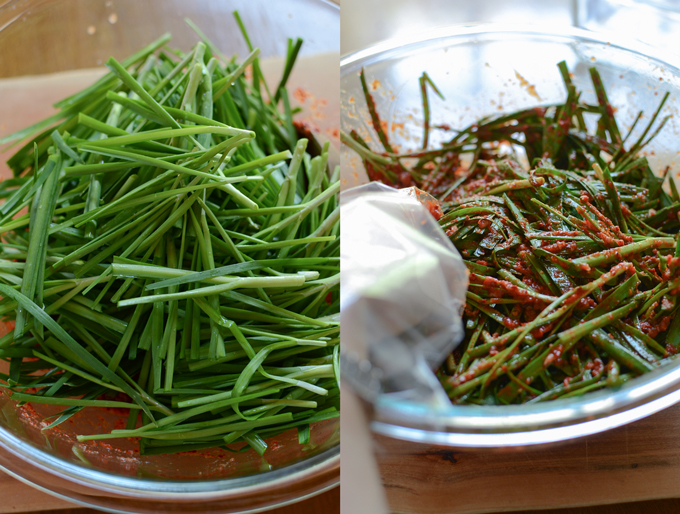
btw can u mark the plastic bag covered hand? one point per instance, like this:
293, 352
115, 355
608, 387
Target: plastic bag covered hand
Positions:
402, 291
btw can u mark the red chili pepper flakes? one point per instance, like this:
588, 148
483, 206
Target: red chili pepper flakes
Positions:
653, 327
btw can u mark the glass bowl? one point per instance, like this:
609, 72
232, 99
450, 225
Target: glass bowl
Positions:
489, 69
52, 48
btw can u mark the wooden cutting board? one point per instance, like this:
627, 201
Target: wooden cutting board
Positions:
19, 497
640, 461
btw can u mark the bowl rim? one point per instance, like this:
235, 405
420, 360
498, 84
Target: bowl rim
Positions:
479, 427
352, 60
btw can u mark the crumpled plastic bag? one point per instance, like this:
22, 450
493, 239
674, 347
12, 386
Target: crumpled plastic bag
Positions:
403, 288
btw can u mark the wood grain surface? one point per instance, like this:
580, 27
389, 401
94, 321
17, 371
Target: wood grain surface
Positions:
640, 461
19, 497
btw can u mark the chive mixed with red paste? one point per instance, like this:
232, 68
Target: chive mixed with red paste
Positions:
570, 240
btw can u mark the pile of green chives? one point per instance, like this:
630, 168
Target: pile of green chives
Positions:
180, 247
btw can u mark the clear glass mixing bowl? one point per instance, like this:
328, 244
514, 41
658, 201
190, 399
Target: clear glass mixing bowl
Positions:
39, 37
488, 69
